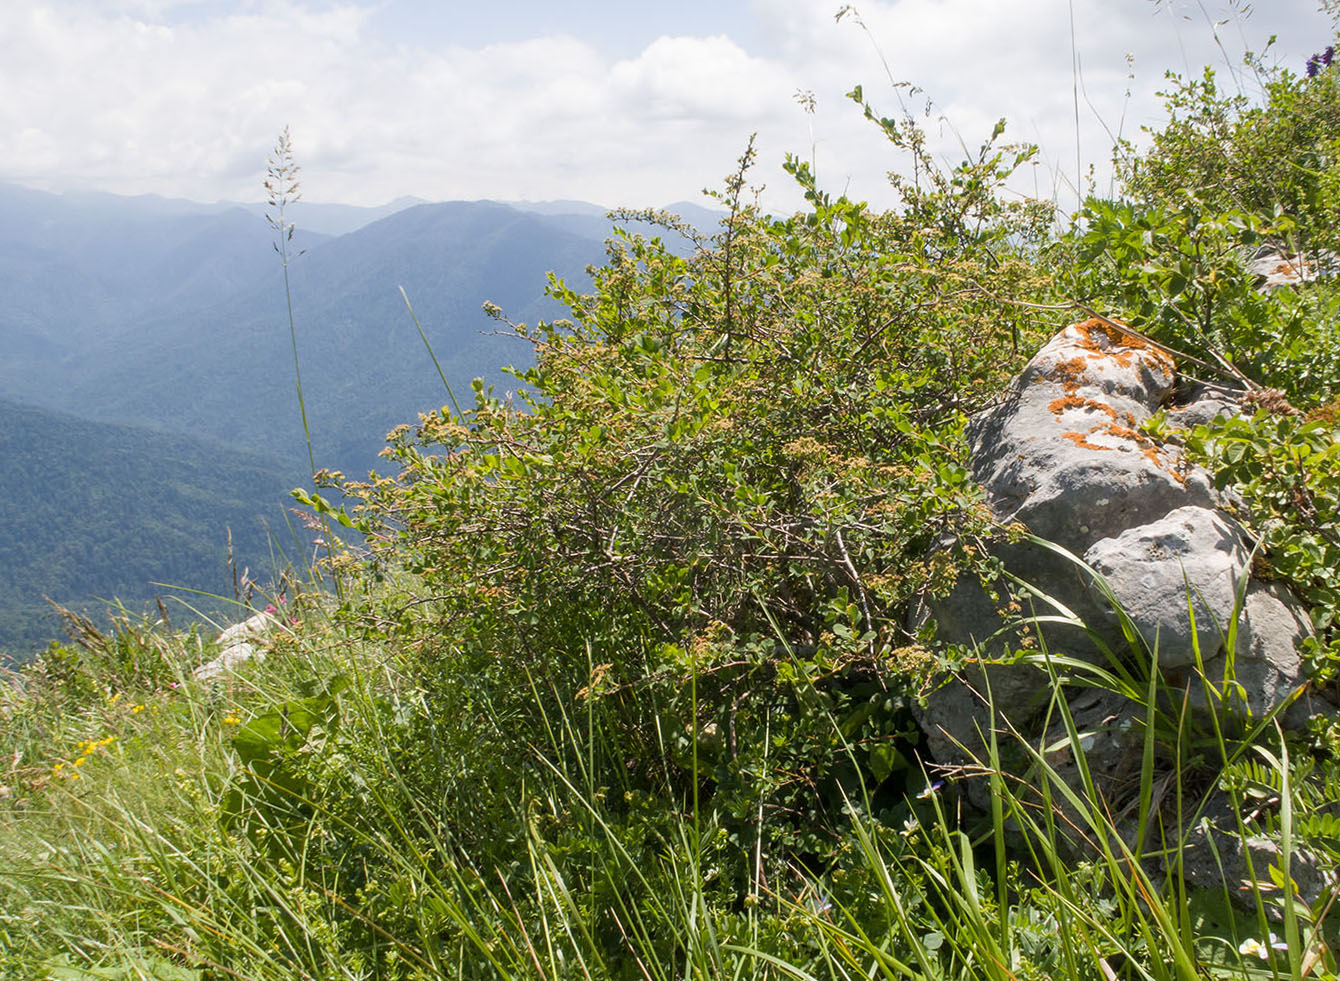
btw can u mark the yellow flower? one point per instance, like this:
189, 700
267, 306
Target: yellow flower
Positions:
231, 720
138, 709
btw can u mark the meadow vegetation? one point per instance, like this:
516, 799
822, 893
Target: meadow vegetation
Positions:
618, 683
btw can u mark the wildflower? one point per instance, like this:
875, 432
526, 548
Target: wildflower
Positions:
1252, 946
930, 789
1328, 55
137, 709
270, 608
1313, 66
231, 720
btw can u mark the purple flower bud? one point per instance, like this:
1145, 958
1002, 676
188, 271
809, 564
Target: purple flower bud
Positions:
1313, 67
1327, 55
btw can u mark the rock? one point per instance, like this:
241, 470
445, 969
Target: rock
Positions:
241, 643
1276, 268
1216, 856
1204, 402
1191, 559
1064, 456
1265, 667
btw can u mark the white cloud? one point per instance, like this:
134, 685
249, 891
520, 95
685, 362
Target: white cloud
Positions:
185, 97
978, 61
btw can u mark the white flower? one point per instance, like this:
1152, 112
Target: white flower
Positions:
1261, 950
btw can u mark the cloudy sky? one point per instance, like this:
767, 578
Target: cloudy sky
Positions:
635, 102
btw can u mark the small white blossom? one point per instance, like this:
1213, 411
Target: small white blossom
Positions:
1262, 950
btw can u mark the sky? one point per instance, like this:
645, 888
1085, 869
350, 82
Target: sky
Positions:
630, 103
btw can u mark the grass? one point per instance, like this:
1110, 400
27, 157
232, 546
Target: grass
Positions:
139, 839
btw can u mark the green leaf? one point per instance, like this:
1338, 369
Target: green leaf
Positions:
885, 759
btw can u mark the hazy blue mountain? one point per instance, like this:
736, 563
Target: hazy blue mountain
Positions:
337, 219
171, 315
90, 511
318, 217
77, 270
226, 370
151, 311
591, 220
560, 207
703, 218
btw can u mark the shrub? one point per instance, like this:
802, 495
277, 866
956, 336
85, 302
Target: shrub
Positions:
1268, 157
719, 496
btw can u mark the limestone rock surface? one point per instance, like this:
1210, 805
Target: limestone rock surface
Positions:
1063, 455
240, 643
1190, 560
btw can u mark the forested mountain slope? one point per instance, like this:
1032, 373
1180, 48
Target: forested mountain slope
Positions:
90, 510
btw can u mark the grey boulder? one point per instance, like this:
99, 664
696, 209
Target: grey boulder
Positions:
1064, 456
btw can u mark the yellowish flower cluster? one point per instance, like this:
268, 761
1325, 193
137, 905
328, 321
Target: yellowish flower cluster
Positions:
85, 749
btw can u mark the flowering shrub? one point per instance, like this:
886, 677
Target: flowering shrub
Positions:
720, 495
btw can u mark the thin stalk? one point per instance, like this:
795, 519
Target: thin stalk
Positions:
282, 188
281, 184
436, 364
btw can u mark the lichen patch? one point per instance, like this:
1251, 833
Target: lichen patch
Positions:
1102, 337
1069, 373
1059, 406
1082, 441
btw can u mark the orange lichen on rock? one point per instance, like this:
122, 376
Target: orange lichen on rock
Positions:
1069, 373
1058, 406
1168, 461
1113, 336
1153, 456
1125, 433
1113, 332
1081, 440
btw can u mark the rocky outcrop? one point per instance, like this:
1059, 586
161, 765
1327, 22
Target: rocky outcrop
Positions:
240, 643
1275, 268
1065, 458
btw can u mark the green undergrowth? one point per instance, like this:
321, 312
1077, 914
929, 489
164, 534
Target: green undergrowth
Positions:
620, 682
350, 809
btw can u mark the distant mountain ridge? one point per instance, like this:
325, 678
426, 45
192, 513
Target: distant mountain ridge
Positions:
146, 312
169, 316
229, 365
